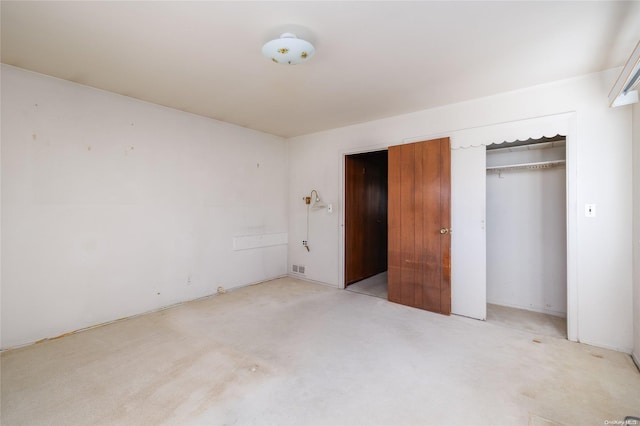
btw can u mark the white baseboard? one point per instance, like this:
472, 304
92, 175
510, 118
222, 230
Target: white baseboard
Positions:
626, 350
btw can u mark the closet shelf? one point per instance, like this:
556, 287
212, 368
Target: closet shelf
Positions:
538, 165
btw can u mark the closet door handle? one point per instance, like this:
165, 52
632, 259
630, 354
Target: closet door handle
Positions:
444, 231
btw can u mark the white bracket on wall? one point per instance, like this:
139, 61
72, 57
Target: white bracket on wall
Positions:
246, 242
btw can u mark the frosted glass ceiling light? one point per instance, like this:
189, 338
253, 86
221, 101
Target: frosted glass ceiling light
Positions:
288, 50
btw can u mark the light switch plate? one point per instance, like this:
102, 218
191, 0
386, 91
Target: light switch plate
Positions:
590, 210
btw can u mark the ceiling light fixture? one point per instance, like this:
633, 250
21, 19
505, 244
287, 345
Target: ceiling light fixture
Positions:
288, 50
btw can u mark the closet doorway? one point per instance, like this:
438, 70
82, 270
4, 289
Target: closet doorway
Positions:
366, 192
526, 234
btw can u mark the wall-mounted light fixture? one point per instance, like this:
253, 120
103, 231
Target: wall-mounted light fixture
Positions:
313, 203
288, 50
317, 202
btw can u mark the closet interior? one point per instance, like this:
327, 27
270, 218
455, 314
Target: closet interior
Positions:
526, 235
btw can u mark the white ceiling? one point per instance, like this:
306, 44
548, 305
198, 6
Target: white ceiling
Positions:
373, 59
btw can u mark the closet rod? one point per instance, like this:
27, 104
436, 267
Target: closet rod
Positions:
538, 165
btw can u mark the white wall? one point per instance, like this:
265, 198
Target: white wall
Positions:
636, 231
603, 144
527, 233
112, 207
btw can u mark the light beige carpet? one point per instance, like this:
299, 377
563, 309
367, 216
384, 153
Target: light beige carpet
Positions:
373, 286
536, 322
289, 352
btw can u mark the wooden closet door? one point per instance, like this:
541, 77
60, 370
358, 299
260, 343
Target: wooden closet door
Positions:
419, 224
